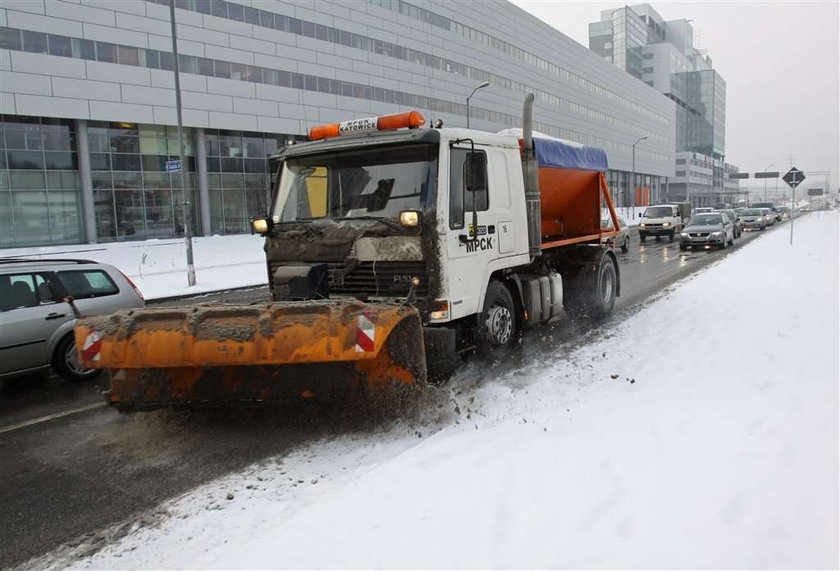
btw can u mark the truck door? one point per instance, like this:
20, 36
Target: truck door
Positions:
470, 247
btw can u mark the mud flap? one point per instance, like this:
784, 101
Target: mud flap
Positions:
266, 353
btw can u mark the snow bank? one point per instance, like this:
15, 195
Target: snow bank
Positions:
159, 267
705, 441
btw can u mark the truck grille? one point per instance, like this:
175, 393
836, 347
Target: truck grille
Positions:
378, 279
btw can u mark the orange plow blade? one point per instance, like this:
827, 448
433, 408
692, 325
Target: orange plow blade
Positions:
271, 352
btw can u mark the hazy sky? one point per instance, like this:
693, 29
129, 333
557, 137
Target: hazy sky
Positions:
781, 65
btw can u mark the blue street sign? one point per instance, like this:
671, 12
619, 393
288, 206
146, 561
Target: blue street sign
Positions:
173, 166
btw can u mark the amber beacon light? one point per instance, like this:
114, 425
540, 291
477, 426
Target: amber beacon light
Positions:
411, 120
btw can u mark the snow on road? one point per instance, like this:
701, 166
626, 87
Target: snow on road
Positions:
701, 432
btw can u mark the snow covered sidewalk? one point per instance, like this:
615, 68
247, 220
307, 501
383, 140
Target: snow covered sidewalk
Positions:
159, 267
705, 441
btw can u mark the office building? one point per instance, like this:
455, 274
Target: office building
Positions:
662, 55
88, 128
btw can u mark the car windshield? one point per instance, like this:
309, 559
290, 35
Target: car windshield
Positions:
659, 212
357, 183
763, 205
751, 212
782, 209
705, 220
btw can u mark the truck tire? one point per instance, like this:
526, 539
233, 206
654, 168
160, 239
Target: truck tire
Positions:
642, 237
496, 330
66, 362
591, 294
671, 236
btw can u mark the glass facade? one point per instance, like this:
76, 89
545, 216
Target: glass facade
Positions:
40, 198
134, 196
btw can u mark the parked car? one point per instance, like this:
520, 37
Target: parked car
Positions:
753, 219
736, 221
708, 230
623, 238
36, 320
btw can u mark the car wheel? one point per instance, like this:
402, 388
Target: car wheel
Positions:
683, 248
657, 237
67, 364
626, 245
496, 330
642, 237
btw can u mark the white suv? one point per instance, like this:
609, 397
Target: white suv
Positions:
38, 304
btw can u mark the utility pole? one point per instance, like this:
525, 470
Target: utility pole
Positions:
185, 211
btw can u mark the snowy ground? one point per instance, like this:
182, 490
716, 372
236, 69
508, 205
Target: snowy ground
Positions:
159, 267
701, 432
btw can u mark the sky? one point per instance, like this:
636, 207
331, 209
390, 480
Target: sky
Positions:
780, 63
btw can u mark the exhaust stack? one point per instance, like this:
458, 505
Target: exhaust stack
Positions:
531, 176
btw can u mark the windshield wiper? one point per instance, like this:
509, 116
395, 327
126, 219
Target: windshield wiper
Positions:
308, 227
386, 221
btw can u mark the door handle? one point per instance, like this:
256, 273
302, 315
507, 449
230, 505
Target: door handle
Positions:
54, 316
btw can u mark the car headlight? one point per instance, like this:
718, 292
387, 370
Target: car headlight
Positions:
666, 224
718, 233
685, 234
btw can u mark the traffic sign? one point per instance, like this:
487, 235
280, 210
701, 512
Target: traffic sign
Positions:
794, 177
173, 166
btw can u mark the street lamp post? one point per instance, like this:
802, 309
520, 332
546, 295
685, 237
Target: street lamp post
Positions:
633, 176
185, 211
477, 87
765, 180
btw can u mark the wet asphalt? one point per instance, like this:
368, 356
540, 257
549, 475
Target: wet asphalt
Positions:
81, 466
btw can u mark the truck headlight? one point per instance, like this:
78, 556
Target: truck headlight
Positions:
410, 218
642, 225
260, 225
666, 224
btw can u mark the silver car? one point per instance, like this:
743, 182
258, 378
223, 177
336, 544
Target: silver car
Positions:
36, 318
622, 240
713, 230
753, 219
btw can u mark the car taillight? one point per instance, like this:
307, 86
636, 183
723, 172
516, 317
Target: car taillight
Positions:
131, 283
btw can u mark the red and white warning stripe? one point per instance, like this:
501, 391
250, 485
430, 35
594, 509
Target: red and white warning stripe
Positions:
365, 335
92, 347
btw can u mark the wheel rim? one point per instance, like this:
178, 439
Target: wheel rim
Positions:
499, 324
607, 286
71, 358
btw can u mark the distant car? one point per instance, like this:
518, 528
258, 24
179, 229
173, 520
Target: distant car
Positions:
753, 219
623, 238
36, 323
708, 230
702, 210
736, 222
768, 205
782, 213
769, 216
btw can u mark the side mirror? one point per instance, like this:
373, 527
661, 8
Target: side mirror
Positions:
475, 172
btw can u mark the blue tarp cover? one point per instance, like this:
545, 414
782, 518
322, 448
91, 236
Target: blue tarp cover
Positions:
553, 153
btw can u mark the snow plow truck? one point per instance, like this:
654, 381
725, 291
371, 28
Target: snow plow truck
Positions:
392, 248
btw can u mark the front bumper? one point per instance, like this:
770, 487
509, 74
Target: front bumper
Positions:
657, 231
705, 242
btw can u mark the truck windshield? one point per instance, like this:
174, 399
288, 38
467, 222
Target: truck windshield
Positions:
659, 212
357, 183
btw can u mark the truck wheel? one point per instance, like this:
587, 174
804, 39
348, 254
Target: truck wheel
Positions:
66, 361
671, 236
592, 294
642, 237
496, 330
